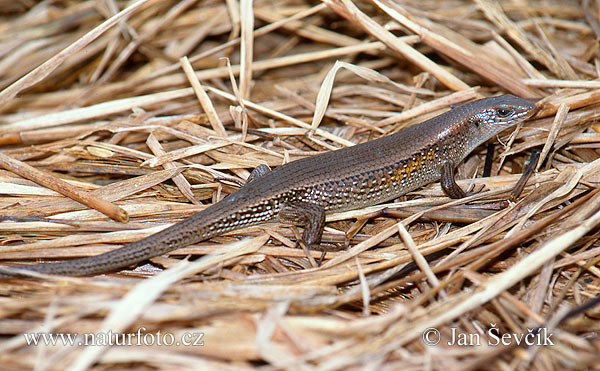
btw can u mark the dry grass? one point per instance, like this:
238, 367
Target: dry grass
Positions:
155, 111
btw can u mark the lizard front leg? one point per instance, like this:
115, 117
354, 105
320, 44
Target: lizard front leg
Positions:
451, 189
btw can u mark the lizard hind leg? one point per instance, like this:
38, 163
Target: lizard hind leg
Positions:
310, 216
258, 172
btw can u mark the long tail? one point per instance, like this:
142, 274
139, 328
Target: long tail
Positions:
206, 224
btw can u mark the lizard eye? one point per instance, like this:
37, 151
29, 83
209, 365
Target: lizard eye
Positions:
504, 112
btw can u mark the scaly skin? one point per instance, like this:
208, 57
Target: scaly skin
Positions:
303, 191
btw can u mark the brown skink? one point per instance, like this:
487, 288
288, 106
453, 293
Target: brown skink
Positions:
302, 192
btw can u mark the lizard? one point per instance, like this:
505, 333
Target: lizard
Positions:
302, 192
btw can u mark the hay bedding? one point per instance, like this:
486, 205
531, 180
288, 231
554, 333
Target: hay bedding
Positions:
151, 110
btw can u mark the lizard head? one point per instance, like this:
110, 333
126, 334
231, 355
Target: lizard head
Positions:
493, 115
